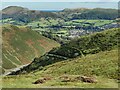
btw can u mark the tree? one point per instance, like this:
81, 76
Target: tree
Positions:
38, 25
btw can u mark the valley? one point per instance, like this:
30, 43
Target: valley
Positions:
76, 48
62, 26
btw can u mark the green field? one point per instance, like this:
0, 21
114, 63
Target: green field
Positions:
58, 29
45, 22
49, 22
11, 21
89, 22
44, 25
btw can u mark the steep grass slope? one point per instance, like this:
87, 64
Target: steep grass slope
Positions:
81, 47
21, 45
103, 66
74, 59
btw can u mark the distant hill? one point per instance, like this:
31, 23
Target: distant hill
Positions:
13, 10
98, 13
21, 45
84, 13
24, 15
80, 47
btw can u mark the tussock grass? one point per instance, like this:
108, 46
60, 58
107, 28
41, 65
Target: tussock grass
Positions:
103, 66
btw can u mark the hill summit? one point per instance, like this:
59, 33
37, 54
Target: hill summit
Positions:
13, 10
24, 15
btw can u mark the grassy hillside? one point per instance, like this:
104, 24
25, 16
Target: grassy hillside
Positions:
20, 15
21, 45
95, 55
24, 15
104, 63
83, 13
103, 66
92, 44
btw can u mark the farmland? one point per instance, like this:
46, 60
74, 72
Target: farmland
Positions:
62, 26
76, 48
65, 30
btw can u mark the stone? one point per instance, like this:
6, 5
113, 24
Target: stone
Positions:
88, 79
40, 81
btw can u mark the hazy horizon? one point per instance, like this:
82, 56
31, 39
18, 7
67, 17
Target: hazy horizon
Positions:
60, 5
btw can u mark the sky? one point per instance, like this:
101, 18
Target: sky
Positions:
60, 5
59, 0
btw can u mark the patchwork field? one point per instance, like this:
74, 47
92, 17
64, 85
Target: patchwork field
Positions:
82, 22
70, 48
89, 22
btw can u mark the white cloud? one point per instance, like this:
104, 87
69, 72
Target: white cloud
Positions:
60, 0
108, 0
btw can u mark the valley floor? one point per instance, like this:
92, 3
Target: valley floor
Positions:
98, 63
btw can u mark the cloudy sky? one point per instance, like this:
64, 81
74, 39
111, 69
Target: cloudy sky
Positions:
60, 4
59, 0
